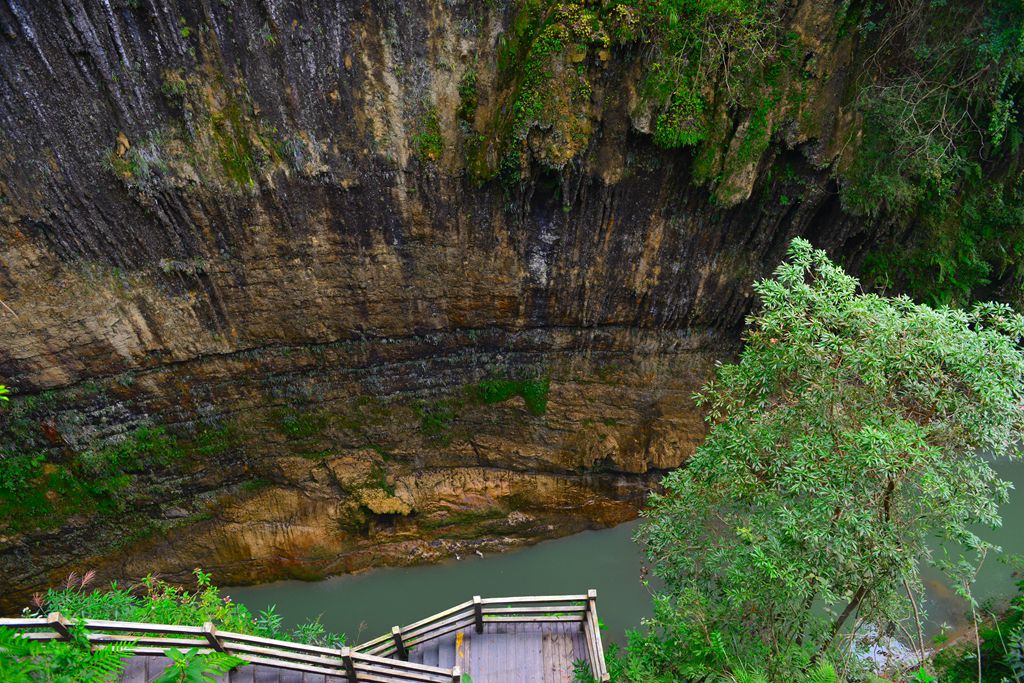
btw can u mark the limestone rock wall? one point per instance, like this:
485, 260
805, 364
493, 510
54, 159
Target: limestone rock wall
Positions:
230, 219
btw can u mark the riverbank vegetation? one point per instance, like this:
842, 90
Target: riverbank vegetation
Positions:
153, 601
997, 653
843, 452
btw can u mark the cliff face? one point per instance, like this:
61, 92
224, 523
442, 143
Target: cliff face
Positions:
242, 261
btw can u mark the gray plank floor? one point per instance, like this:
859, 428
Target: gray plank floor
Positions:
503, 653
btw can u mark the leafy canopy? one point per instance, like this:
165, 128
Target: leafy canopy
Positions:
845, 438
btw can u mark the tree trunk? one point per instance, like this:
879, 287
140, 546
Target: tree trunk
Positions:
850, 609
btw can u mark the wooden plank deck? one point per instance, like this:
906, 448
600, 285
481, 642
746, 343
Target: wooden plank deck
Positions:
503, 653
143, 669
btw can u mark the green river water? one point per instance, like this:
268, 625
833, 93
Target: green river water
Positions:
367, 605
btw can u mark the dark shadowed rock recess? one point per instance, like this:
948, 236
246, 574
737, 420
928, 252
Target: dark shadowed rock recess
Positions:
316, 341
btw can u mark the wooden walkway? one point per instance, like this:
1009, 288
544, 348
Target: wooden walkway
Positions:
503, 653
526, 639
531, 653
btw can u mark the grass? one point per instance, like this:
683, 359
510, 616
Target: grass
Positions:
300, 425
234, 149
35, 493
428, 142
534, 392
436, 419
469, 98
462, 519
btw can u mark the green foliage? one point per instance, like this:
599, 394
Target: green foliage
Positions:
682, 123
940, 146
528, 106
959, 251
846, 436
300, 425
428, 142
542, 65
469, 99
140, 166
34, 492
700, 46
192, 667
1002, 650
4, 393
534, 392
581, 672
159, 602
173, 85
74, 661
234, 148
28, 661
436, 419
145, 447
214, 440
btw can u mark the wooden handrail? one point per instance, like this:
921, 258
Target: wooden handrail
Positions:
478, 611
155, 639
597, 665
536, 598
365, 662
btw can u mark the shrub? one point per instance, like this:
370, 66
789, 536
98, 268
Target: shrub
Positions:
847, 435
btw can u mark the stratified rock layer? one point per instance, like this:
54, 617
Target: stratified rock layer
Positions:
220, 217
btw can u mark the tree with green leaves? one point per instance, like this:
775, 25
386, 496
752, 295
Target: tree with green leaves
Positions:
848, 445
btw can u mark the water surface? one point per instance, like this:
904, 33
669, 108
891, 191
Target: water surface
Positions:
369, 604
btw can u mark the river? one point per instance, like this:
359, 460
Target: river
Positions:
369, 604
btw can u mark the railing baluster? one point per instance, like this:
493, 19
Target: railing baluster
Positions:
478, 613
210, 631
58, 623
456, 674
599, 668
396, 635
350, 665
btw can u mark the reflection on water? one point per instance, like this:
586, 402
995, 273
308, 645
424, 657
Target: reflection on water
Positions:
371, 603
996, 580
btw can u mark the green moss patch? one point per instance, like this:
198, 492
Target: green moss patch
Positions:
534, 392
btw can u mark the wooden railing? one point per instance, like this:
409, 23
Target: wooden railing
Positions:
382, 659
581, 609
155, 639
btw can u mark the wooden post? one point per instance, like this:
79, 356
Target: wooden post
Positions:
210, 631
599, 665
58, 623
350, 665
396, 635
456, 674
478, 613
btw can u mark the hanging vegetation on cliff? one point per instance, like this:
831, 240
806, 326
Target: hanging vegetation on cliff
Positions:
928, 142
